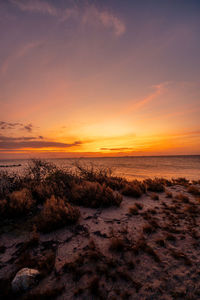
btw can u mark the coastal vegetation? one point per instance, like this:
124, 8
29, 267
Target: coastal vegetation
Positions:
88, 232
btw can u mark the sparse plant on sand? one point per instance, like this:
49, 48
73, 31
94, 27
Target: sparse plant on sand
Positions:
92, 194
56, 213
133, 189
193, 190
169, 194
133, 210
20, 202
154, 185
182, 197
154, 197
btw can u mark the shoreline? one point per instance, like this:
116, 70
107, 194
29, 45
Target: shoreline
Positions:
110, 238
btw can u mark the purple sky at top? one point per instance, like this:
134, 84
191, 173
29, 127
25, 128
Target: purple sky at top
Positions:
98, 75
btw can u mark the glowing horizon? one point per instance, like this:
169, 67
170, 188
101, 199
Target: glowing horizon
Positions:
99, 78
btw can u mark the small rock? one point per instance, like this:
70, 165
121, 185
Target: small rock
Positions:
24, 279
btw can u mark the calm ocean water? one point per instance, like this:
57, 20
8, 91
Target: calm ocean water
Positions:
130, 167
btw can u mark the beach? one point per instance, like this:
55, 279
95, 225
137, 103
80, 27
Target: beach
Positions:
117, 239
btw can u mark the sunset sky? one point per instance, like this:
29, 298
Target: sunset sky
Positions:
99, 78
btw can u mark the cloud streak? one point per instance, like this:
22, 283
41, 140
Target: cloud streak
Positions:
117, 149
9, 143
105, 18
35, 6
21, 52
85, 14
15, 125
23, 138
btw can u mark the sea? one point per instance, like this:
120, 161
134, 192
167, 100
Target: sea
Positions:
134, 167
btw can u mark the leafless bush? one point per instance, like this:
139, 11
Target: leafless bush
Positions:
154, 185
133, 189
20, 202
92, 194
56, 213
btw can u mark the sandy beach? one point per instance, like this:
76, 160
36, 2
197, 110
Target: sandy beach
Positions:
145, 247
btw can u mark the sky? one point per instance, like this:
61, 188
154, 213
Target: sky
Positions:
99, 78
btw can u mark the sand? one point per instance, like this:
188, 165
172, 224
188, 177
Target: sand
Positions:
113, 254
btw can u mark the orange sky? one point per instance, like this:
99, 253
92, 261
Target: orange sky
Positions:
99, 78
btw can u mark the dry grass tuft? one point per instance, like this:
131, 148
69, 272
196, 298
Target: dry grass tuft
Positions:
154, 197
44, 261
141, 245
181, 181
133, 189
133, 210
169, 194
56, 213
92, 194
182, 197
20, 202
193, 190
154, 185
151, 227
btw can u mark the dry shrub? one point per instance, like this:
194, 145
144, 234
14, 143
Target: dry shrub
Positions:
38, 170
195, 181
133, 210
181, 181
133, 189
9, 183
57, 183
154, 185
99, 174
141, 245
20, 201
56, 213
169, 194
41, 192
191, 209
182, 198
44, 261
193, 190
92, 194
154, 197
139, 205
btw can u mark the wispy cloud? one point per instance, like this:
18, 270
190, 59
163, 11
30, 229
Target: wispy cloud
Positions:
105, 18
15, 125
85, 14
39, 6
136, 105
23, 138
21, 52
117, 149
7, 143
